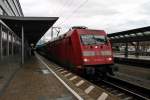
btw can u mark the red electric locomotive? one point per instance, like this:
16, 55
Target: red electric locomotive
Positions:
82, 49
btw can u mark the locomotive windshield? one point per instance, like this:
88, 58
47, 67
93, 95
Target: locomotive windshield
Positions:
89, 39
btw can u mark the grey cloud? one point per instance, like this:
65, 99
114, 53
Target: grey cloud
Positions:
112, 15
145, 8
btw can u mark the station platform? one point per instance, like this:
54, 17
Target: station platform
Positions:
8, 70
41, 79
135, 75
33, 82
141, 61
134, 57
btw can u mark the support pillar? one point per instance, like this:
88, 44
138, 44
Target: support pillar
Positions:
8, 43
137, 50
51, 32
22, 45
12, 44
126, 51
1, 43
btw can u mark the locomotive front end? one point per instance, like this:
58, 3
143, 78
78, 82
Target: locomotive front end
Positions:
96, 49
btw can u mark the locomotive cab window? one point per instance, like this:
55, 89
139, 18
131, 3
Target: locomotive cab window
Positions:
88, 39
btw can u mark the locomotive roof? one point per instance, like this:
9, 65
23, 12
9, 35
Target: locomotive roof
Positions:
68, 34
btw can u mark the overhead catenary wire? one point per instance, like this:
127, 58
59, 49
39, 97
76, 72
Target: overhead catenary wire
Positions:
63, 9
65, 3
68, 4
74, 12
60, 10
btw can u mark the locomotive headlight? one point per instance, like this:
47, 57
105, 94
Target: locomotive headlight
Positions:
110, 59
96, 46
106, 53
85, 59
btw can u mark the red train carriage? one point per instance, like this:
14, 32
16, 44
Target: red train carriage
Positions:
82, 49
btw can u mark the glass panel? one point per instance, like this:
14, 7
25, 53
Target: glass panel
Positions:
9, 37
121, 36
147, 33
1, 11
139, 34
132, 35
89, 39
4, 35
116, 37
126, 35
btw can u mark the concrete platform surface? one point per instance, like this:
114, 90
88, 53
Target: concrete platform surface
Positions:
8, 67
34, 82
135, 75
134, 57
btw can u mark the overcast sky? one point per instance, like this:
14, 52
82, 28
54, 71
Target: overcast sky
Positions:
109, 15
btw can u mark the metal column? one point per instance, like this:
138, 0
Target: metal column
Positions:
1, 44
126, 50
8, 43
137, 50
22, 49
12, 45
51, 32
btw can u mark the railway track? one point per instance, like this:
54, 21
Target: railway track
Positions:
122, 89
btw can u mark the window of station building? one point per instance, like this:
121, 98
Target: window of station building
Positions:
8, 7
10, 48
10, 43
9, 37
4, 35
1, 11
18, 42
17, 7
13, 39
4, 45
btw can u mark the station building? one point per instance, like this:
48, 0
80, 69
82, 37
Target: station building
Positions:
10, 8
10, 43
18, 32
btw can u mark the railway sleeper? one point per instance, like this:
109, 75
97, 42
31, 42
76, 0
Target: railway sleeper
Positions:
128, 98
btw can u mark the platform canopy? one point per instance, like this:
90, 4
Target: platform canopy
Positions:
133, 35
34, 27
